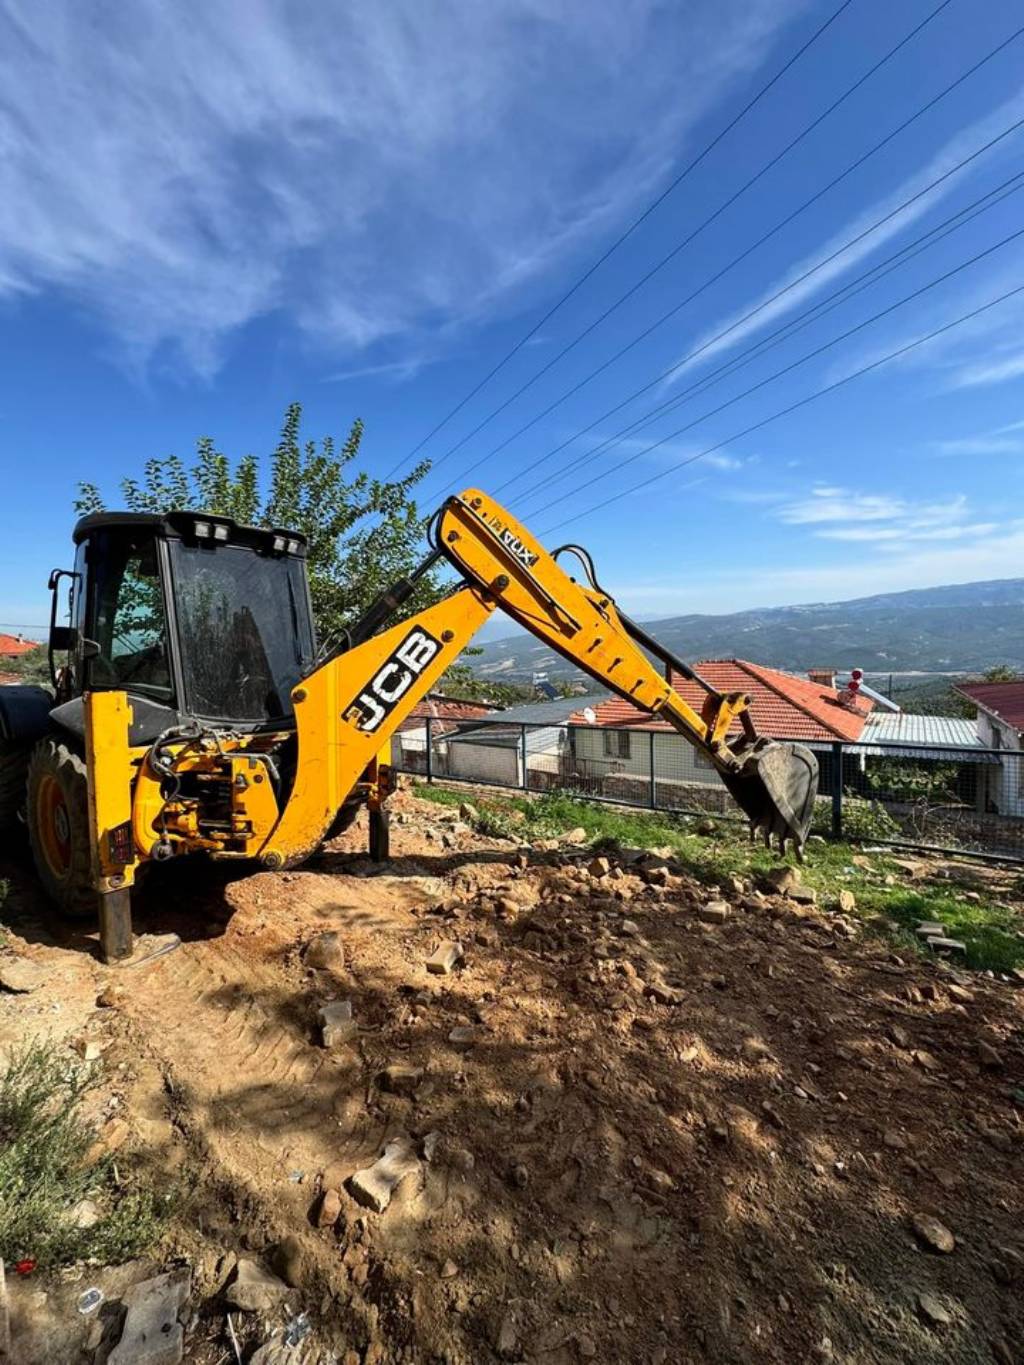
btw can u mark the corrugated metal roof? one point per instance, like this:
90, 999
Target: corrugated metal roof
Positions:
943, 738
547, 712
1004, 699
900, 727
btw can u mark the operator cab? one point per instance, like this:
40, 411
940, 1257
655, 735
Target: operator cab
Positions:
192, 615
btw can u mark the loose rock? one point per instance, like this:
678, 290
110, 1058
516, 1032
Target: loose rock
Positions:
152, 1334
21, 976
254, 1290
445, 958
329, 1209
374, 1186
400, 1079
934, 1235
337, 1025
932, 1310
714, 912
326, 952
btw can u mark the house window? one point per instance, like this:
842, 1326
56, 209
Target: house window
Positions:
616, 743
997, 736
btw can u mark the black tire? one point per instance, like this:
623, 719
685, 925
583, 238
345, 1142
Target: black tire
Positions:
58, 827
13, 783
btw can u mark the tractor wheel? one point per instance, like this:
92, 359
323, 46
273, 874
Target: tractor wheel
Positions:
13, 780
58, 827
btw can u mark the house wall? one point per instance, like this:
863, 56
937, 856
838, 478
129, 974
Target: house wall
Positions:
1005, 783
674, 759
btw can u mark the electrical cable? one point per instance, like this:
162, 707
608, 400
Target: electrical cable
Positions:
792, 407
788, 330
721, 209
691, 165
827, 260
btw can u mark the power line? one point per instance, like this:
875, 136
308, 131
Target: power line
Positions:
793, 407
695, 233
766, 303
692, 165
810, 355
737, 260
790, 328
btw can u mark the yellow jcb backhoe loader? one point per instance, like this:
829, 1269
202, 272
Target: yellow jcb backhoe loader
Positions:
192, 712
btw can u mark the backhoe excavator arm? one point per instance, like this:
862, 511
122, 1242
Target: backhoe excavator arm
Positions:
349, 708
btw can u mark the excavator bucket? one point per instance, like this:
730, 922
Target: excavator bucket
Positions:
776, 788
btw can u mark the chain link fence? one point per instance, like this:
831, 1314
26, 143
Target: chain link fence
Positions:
953, 800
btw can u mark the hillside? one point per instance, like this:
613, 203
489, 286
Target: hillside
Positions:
963, 628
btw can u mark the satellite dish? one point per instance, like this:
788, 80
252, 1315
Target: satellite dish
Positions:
590, 715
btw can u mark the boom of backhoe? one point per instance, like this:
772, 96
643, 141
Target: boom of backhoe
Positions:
162, 778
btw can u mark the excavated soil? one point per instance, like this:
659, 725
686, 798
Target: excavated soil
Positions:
652, 1138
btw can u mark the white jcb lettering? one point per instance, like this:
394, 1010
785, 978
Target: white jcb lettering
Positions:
417, 650
392, 681
367, 713
401, 678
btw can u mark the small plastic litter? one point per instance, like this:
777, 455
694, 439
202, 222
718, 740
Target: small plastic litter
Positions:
296, 1177
297, 1329
26, 1266
89, 1300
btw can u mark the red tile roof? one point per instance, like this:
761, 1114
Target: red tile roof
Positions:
438, 707
1003, 699
782, 706
10, 645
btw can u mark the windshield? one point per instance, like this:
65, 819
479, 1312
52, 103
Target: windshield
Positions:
246, 636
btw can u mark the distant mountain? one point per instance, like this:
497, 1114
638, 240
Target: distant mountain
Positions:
963, 628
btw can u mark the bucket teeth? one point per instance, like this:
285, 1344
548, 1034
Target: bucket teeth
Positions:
776, 788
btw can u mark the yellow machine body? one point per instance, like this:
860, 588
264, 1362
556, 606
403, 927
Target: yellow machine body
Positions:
215, 790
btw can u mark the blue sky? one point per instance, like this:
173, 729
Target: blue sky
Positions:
363, 207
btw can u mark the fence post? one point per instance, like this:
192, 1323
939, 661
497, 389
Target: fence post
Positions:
654, 787
523, 784
837, 790
430, 752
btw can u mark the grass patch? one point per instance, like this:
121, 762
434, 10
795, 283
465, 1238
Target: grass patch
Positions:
44, 1140
989, 930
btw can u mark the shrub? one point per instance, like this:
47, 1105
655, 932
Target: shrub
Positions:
44, 1141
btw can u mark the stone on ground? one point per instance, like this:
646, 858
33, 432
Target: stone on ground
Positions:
254, 1290
326, 952
783, 879
374, 1186
401, 1079
714, 912
337, 1026
21, 976
934, 1234
152, 1334
932, 1310
445, 958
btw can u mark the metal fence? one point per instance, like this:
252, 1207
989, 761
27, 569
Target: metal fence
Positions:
951, 799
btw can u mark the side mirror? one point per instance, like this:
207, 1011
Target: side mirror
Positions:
62, 638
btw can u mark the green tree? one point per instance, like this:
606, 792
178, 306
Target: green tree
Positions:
1001, 673
362, 532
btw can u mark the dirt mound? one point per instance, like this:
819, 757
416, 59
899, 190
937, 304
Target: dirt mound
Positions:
635, 1120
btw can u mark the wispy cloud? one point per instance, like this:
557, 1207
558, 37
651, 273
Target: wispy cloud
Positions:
766, 309
882, 520
994, 371
368, 171
1008, 440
